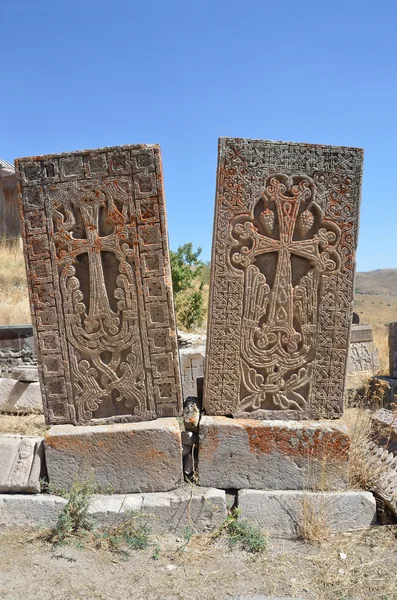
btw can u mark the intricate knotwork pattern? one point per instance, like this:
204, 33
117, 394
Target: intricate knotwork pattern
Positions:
97, 254
281, 296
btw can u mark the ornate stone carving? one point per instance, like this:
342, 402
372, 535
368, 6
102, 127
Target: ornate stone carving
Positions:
282, 283
96, 248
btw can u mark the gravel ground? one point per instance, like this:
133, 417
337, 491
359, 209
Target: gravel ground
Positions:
344, 567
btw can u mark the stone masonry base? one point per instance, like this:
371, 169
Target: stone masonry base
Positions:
278, 513
273, 455
122, 458
283, 513
199, 509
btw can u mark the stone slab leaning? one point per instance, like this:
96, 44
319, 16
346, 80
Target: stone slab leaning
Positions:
294, 455
120, 458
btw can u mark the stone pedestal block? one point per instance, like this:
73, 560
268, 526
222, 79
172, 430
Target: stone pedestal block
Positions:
21, 460
19, 510
19, 396
200, 510
284, 513
273, 455
122, 458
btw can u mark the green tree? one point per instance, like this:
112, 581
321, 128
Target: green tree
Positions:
187, 283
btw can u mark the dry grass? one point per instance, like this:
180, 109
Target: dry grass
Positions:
14, 302
360, 564
314, 526
23, 424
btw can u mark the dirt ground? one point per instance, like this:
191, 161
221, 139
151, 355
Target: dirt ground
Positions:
346, 567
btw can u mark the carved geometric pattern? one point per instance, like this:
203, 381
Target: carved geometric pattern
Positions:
283, 263
96, 250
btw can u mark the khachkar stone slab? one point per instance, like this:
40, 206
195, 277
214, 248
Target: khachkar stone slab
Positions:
21, 464
283, 265
393, 349
96, 249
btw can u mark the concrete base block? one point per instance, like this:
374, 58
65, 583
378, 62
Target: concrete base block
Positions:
279, 455
39, 510
284, 512
21, 462
19, 396
200, 509
121, 458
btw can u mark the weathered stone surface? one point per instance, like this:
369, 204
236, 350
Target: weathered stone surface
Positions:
192, 413
361, 333
16, 347
9, 208
18, 396
192, 361
37, 510
200, 510
21, 462
393, 349
382, 471
96, 249
363, 354
384, 429
281, 292
284, 512
122, 458
27, 374
280, 455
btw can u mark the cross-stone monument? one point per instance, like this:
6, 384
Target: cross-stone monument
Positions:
280, 312
9, 208
96, 250
283, 263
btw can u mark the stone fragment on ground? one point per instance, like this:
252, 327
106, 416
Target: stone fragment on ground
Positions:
381, 457
122, 458
21, 464
280, 455
19, 396
285, 513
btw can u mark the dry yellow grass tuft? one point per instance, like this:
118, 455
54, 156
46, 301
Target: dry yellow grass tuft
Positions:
14, 302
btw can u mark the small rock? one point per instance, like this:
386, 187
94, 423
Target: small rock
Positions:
342, 555
191, 414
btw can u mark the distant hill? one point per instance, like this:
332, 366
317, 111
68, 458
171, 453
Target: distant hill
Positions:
382, 282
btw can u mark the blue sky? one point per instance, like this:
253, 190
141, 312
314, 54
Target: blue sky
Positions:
91, 73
